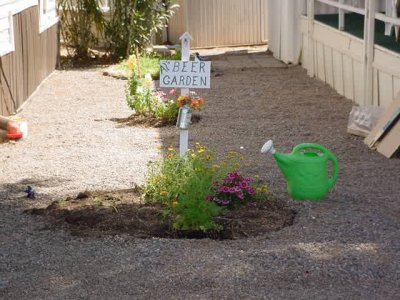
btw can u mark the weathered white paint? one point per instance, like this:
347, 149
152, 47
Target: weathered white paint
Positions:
342, 58
6, 33
214, 23
16, 6
48, 14
186, 39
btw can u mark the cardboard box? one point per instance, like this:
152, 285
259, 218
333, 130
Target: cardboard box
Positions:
385, 136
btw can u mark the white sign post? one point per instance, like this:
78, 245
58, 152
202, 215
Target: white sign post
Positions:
185, 74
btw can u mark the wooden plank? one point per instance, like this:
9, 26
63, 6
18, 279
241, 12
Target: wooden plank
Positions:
389, 116
358, 82
338, 71
396, 86
328, 63
385, 89
376, 88
348, 77
391, 142
320, 61
387, 61
33, 60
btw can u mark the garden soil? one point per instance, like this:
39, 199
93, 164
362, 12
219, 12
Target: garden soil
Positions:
344, 247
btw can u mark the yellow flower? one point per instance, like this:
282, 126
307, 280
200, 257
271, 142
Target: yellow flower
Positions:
256, 176
163, 193
171, 149
174, 203
231, 152
132, 62
262, 189
201, 150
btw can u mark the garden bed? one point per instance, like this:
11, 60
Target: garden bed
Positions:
136, 120
95, 214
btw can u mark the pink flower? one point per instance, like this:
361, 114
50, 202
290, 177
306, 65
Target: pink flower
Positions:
172, 92
232, 190
240, 195
233, 174
243, 184
225, 189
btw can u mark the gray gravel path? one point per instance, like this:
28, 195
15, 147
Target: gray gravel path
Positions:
345, 247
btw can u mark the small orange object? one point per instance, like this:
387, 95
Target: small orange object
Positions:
13, 131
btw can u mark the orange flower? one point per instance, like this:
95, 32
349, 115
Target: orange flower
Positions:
181, 101
201, 101
174, 203
194, 104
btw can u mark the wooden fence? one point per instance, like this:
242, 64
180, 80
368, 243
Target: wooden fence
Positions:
216, 23
34, 58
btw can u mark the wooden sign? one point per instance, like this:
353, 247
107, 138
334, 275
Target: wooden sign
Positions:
185, 74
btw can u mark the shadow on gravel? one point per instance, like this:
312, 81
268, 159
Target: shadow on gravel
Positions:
29, 188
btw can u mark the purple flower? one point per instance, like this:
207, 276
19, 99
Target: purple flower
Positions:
251, 190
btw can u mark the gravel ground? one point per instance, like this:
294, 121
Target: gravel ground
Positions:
345, 247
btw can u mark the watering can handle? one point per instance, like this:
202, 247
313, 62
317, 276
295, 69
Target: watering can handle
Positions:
329, 154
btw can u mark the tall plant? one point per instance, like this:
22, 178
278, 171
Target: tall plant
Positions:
78, 18
133, 23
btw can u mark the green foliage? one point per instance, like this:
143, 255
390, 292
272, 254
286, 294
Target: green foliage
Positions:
145, 102
133, 22
183, 184
78, 17
117, 29
149, 17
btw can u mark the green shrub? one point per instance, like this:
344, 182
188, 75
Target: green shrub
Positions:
184, 183
133, 23
77, 18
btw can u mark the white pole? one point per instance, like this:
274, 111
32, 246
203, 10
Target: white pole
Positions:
184, 133
369, 42
310, 32
341, 17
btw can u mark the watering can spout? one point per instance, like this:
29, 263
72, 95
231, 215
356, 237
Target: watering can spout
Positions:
268, 147
281, 158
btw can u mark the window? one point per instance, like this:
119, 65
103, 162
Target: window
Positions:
6, 32
48, 14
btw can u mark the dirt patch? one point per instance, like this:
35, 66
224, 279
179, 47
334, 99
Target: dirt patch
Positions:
122, 212
144, 121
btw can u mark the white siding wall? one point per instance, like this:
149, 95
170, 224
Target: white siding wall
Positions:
8, 8
338, 61
6, 32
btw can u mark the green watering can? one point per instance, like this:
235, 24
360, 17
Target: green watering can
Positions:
306, 170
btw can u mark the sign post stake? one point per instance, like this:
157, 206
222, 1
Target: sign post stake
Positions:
185, 74
184, 133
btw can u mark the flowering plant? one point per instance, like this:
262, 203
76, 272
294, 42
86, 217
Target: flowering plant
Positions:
193, 101
233, 188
